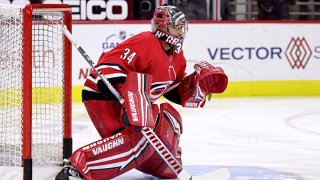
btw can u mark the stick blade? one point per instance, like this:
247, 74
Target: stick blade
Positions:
220, 174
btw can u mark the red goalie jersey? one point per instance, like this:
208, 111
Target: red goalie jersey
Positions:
141, 53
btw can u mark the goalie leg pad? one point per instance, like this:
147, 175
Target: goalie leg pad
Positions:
136, 94
168, 128
112, 156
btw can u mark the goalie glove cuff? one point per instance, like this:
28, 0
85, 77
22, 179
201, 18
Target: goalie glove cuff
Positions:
191, 94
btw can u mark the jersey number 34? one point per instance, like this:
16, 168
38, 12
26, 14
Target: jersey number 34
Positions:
127, 55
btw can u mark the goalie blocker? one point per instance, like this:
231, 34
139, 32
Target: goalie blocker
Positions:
137, 111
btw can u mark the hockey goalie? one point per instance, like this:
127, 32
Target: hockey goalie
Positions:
141, 69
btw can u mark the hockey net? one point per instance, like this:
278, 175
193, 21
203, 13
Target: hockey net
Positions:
35, 85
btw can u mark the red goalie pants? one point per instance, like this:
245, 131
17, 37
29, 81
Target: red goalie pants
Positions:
120, 149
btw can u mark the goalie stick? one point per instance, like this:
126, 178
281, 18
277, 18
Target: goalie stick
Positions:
148, 133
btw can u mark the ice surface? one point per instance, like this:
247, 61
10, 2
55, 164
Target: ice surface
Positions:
256, 138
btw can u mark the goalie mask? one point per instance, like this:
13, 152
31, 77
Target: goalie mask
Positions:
169, 24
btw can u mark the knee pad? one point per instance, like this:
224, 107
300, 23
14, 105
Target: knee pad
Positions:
169, 128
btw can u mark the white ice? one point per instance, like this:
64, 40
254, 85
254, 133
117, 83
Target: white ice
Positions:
281, 134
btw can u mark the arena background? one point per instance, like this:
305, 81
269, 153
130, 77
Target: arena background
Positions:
276, 56
261, 59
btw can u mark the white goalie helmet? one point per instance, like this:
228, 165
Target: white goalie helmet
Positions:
168, 18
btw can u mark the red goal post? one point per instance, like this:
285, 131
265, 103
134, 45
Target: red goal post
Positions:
35, 86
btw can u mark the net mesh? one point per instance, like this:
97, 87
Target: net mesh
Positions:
47, 88
10, 87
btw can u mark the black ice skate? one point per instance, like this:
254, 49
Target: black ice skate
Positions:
68, 172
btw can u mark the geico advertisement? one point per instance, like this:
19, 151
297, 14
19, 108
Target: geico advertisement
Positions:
101, 9
247, 52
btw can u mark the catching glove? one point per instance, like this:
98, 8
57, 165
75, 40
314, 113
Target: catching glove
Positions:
206, 79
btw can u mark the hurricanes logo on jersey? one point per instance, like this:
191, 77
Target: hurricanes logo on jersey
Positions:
158, 88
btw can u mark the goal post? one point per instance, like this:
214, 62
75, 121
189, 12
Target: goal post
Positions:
35, 86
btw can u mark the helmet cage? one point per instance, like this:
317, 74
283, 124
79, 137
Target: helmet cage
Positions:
169, 16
